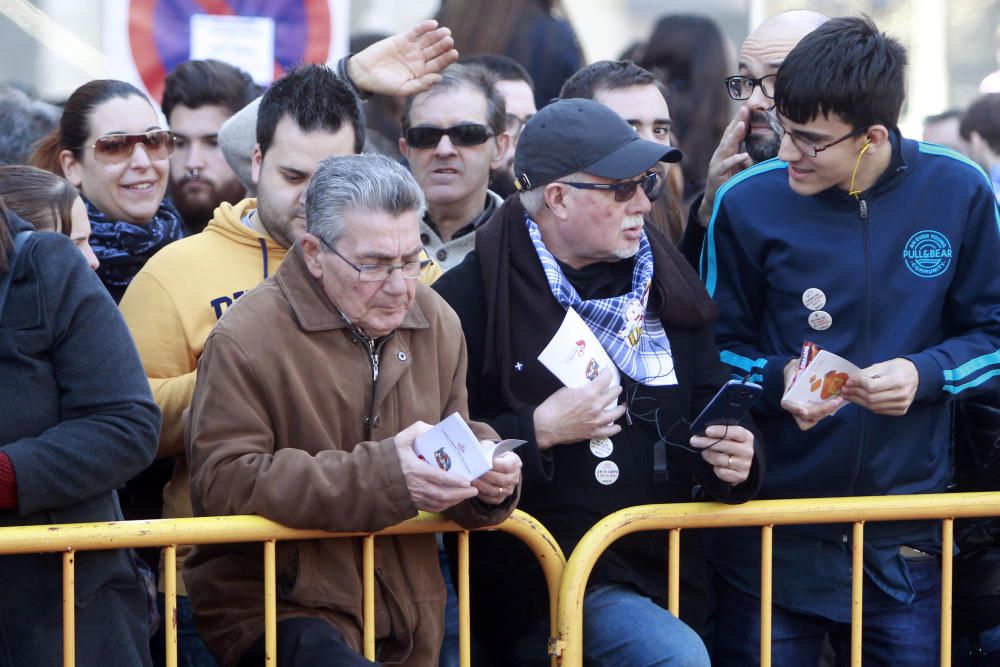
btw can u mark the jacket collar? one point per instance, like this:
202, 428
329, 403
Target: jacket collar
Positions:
312, 308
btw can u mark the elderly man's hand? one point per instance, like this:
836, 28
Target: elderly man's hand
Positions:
727, 161
496, 486
887, 388
406, 63
728, 449
431, 489
572, 415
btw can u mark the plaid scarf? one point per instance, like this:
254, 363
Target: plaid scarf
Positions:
633, 337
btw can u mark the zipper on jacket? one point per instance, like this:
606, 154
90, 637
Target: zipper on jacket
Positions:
859, 450
374, 355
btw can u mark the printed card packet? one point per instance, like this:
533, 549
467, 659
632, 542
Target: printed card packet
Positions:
451, 445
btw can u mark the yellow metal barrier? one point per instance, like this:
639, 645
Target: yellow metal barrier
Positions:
168, 533
766, 514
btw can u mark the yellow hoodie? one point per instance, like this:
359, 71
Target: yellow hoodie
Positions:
170, 308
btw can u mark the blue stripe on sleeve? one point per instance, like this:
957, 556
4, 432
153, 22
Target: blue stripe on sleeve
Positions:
710, 274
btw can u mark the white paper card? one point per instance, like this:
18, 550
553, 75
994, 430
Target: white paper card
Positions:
574, 355
244, 41
820, 381
451, 445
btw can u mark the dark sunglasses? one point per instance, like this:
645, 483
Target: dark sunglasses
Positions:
623, 191
469, 134
115, 148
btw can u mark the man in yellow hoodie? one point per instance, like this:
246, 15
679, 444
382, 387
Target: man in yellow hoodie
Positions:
175, 301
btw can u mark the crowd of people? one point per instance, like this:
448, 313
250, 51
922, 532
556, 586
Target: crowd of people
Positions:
259, 307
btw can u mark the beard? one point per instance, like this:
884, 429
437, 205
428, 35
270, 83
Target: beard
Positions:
762, 146
631, 222
196, 211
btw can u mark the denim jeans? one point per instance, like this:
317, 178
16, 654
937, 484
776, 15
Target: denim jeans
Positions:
622, 628
894, 634
191, 650
306, 642
449, 646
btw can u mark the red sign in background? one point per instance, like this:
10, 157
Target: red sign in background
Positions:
160, 37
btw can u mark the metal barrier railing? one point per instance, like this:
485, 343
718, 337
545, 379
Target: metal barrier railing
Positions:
766, 514
168, 533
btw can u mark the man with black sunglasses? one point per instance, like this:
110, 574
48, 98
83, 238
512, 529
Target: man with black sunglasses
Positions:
881, 250
574, 238
454, 134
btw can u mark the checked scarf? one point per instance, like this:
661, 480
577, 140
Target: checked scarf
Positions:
123, 247
633, 338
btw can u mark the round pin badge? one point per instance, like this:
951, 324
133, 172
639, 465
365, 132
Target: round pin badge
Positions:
814, 298
820, 320
606, 472
601, 447
401, 355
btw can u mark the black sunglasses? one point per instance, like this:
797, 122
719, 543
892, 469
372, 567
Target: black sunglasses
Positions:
468, 134
623, 191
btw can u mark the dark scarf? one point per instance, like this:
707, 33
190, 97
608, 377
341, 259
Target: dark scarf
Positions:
514, 280
123, 247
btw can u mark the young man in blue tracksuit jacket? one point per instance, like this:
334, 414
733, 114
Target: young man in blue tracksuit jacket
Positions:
884, 251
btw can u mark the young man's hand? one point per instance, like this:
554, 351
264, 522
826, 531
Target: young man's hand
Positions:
887, 388
807, 417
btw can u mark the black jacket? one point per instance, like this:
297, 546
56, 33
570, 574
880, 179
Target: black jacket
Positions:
506, 381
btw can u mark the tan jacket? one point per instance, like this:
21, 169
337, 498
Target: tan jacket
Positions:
287, 422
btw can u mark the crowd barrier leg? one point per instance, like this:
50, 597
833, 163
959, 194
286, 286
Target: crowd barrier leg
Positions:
857, 590
947, 553
69, 607
170, 603
674, 572
270, 604
368, 595
766, 587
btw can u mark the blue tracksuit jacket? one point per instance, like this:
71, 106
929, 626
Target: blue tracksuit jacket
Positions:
909, 269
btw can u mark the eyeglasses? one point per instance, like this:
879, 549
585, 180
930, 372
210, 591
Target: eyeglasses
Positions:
468, 134
376, 273
515, 124
115, 148
741, 87
809, 148
623, 191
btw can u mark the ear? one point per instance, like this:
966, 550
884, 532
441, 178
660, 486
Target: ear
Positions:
555, 200
878, 135
404, 150
311, 251
503, 142
70, 167
256, 159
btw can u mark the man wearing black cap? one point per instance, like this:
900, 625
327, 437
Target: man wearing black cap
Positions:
574, 238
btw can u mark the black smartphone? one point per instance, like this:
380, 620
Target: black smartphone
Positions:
729, 406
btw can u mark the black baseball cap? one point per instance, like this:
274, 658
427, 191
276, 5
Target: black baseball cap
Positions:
579, 135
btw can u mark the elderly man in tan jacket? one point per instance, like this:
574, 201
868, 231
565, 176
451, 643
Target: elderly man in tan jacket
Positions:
310, 393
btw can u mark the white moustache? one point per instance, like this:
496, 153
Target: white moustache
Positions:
632, 222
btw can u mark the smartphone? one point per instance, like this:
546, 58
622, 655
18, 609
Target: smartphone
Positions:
729, 406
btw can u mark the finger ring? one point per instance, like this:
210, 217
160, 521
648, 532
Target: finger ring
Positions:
500, 492
729, 464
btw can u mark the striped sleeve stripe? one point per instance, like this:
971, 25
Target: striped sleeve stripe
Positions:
934, 149
709, 262
743, 363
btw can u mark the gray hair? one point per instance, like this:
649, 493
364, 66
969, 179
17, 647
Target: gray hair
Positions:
533, 200
368, 182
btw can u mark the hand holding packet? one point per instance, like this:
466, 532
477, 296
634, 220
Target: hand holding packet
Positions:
452, 446
819, 378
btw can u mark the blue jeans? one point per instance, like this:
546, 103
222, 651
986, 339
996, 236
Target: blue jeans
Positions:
191, 650
894, 634
622, 628
449, 646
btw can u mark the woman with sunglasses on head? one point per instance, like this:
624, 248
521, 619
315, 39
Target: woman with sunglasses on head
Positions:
77, 420
110, 145
50, 203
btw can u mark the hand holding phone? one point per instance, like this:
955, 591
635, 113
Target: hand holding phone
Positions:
729, 406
